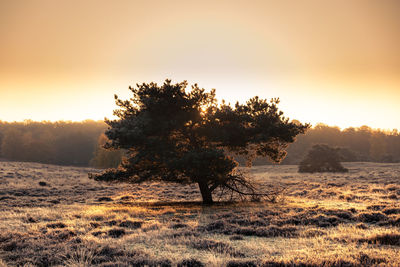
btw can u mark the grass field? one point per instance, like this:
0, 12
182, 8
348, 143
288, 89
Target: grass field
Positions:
55, 216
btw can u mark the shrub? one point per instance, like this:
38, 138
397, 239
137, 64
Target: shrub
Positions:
56, 225
372, 217
116, 233
131, 224
190, 263
241, 264
383, 239
322, 158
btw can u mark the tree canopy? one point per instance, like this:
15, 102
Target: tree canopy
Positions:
176, 135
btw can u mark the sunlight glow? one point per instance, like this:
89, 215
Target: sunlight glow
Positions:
335, 63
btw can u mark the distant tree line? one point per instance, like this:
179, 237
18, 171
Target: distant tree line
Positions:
62, 143
80, 144
353, 144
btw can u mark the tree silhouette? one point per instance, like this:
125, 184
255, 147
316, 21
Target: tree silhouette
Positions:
322, 158
177, 136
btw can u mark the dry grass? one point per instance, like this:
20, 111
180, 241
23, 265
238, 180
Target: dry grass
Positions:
348, 219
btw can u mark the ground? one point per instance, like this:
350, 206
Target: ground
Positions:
55, 216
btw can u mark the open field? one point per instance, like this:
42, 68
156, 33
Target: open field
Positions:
55, 216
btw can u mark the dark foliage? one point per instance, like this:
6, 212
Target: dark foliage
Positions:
104, 199
366, 260
56, 225
190, 263
131, 224
322, 158
116, 233
177, 136
390, 211
383, 239
242, 264
372, 217
41, 183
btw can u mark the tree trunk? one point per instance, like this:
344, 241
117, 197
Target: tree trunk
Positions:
205, 193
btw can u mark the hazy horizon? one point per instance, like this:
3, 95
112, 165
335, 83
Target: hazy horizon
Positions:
386, 130
337, 63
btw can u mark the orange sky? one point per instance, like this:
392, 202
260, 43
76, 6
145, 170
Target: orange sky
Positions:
336, 62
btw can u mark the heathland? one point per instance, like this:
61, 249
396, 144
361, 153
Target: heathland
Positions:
55, 216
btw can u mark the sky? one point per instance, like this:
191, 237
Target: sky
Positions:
332, 62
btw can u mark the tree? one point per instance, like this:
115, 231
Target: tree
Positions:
180, 136
105, 158
12, 144
322, 158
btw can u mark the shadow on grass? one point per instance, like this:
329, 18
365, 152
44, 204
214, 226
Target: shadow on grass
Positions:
186, 204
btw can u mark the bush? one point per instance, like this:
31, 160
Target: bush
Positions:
116, 233
190, 263
372, 217
322, 158
383, 239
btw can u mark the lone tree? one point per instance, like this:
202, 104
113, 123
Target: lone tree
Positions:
180, 136
322, 158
